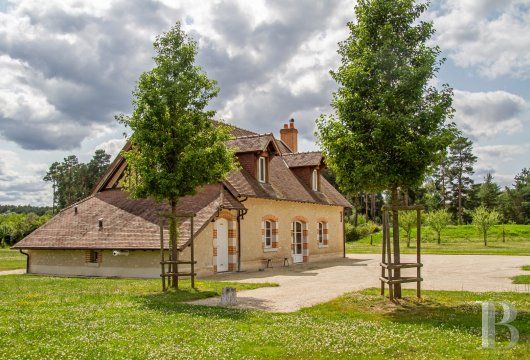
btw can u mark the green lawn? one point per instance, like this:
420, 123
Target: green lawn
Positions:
522, 279
11, 260
463, 239
102, 318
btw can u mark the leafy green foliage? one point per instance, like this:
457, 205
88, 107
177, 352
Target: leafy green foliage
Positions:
175, 147
484, 219
457, 240
72, 180
438, 220
408, 220
14, 227
389, 127
488, 193
460, 162
24, 209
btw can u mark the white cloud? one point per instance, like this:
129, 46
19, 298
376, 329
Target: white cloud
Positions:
487, 114
488, 35
112, 147
21, 182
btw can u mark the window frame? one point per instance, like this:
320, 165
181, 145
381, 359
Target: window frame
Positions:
321, 227
262, 169
268, 237
314, 180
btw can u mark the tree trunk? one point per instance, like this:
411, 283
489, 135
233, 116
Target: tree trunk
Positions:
395, 238
408, 240
460, 200
173, 242
373, 206
356, 211
439, 239
485, 238
366, 206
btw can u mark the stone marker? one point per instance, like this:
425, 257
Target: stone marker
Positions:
228, 297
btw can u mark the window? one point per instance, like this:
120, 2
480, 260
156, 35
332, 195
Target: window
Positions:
262, 170
92, 257
314, 180
322, 232
268, 234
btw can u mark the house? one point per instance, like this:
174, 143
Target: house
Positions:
277, 208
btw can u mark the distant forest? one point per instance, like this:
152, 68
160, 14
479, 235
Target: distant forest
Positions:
24, 209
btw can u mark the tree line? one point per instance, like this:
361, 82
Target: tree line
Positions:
450, 187
73, 181
15, 226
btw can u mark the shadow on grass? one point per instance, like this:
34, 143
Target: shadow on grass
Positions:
442, 310
172, 301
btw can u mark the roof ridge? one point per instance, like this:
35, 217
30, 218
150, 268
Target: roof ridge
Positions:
221, 121
256, 135
77, 203
304, 152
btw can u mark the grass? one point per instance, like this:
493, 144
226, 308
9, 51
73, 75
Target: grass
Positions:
522, 279
11, 260
105, 318
455, 240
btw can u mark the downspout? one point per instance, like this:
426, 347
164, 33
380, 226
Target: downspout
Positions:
27, 260
240, 215
343, 232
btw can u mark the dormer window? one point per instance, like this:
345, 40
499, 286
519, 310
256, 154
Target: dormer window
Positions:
262, 169
314, 180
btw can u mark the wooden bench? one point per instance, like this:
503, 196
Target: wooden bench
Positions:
269, 261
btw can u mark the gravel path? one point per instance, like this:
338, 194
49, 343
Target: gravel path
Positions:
314, 283
13, 272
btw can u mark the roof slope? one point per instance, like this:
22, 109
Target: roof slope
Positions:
127, 223
252, 143
284, 185
313, 158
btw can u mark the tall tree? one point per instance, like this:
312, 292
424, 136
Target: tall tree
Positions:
72, 180
461, 161
488, 193
389, 126
175, 147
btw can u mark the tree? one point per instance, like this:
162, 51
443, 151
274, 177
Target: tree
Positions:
484, 219
408, 221
488, 193
72, 180
175, 147
461, 161
438, 221
389, 126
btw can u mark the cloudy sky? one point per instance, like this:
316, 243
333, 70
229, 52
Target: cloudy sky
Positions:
67, 67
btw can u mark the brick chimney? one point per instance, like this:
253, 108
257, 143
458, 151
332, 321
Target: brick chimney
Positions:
289, 135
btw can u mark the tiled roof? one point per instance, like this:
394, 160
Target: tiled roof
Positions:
284, 185
234, 130
283, 147
303, 159
252, 143
127, 223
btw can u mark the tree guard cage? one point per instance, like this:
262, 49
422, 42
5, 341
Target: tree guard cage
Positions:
391, 265
170, 267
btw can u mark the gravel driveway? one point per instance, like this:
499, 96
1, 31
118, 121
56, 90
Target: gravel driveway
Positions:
310, 284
